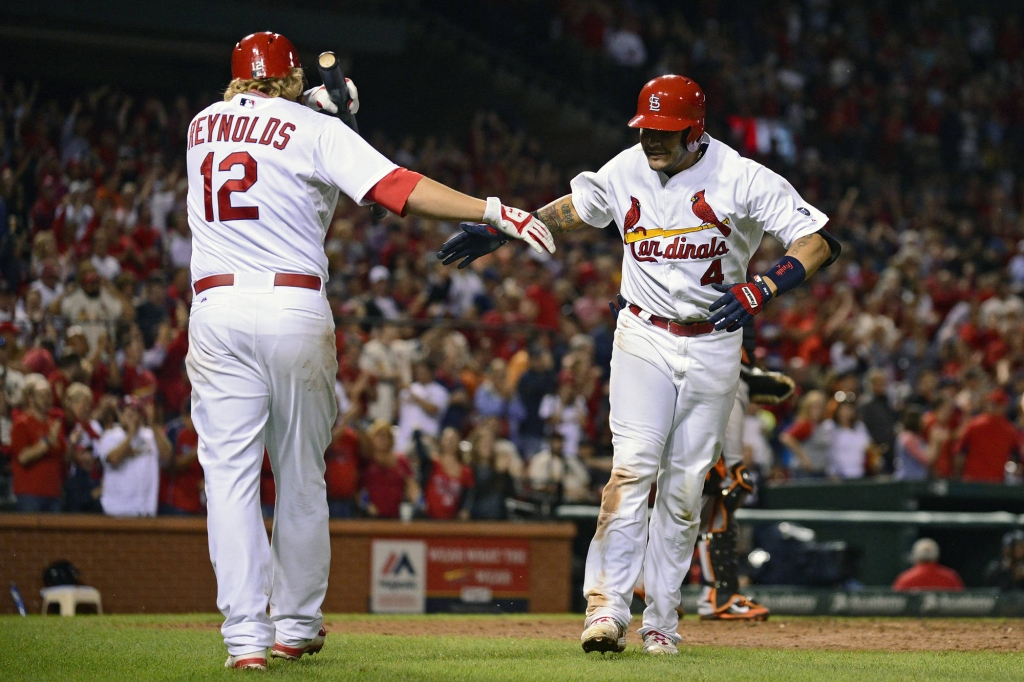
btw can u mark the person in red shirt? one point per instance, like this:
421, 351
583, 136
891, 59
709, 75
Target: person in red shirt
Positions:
927, 573
38, 447
387, 479
449, 482
341, 472
988, 442
184, 474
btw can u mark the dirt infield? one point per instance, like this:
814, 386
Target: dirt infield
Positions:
846, 634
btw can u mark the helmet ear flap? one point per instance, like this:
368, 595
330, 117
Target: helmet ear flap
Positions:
693, 137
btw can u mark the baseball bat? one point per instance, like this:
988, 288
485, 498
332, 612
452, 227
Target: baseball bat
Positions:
333, 79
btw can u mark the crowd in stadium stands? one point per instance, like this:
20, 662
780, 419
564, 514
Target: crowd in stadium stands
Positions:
461, 389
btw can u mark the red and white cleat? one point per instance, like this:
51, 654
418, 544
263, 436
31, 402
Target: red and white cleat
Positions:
253, 661
604, 634
294, 653
659, 644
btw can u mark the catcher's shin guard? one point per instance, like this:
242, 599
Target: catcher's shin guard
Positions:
724, 492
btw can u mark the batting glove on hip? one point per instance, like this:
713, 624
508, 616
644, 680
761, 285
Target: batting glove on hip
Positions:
317, 99
519, 224
739, 303
475, 240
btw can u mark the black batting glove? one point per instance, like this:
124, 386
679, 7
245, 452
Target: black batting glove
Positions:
739, 303
475, 240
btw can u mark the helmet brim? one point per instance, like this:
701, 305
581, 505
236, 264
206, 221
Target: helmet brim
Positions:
656, 122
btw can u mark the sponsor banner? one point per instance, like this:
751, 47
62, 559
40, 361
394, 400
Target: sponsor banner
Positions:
398, 578
478, 570
794, 601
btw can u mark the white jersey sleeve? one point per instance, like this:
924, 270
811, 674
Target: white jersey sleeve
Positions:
779, 208
591, 196
344, 160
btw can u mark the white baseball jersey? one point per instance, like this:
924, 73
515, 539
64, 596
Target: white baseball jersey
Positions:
263, 181
699, 227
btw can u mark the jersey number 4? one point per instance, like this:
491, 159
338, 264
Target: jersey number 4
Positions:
713, 274
224, 208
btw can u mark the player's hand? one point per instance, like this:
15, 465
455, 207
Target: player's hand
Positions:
475, 240
318, 99
739, 303
519, 224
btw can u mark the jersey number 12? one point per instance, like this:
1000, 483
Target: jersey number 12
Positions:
224, 208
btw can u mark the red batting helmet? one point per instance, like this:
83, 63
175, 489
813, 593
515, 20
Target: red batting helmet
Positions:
263, 55
671, 103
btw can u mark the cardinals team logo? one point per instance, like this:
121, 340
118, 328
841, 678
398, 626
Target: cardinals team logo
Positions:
703, 210
648, 244
654, 103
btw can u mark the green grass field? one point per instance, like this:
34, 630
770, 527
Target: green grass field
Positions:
189, 648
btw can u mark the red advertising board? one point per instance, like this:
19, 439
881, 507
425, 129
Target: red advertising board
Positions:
459, 567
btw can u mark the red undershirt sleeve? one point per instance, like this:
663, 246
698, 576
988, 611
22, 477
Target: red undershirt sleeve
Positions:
393, 190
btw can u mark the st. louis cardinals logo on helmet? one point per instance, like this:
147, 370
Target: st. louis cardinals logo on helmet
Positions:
654, 103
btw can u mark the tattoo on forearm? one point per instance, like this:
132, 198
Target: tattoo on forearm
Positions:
559, 216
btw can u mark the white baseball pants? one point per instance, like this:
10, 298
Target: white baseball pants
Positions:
262, 362
732, 450
670, 402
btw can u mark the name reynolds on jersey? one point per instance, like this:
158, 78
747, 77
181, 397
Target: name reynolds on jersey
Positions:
231, 128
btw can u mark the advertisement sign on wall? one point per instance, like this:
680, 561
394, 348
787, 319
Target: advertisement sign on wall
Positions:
398, 581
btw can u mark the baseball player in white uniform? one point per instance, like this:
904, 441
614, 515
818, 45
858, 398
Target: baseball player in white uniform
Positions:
690, 211
264, 173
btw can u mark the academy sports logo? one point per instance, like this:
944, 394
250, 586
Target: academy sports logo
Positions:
654, 103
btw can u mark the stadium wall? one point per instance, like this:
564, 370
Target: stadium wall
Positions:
162, 565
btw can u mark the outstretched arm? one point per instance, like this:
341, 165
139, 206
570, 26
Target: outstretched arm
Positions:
560, 216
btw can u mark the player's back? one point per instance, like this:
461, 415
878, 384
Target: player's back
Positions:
263, 179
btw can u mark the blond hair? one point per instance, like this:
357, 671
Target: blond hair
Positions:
78, 391
289, 87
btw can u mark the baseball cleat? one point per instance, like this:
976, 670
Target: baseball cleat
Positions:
294, 653
604, 635
737, 607
254, 661
659, 644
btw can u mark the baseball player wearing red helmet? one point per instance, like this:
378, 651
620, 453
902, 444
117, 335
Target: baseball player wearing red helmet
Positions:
264, 175
691, 212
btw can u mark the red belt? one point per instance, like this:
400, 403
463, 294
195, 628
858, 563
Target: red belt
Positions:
280, 280
673, 327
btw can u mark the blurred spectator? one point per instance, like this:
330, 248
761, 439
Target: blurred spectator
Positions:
496, 467
1007, 572
492, 395
83, 485
38, 448
387, 479
379, 303
153, 311
851, 447
915, 455
988, 442
879, 417
448, 484
927, 573
809, 438
341, 470
422, 405
132, 451
566, 413
184, 489
535, 383
553, 479
381, 363
90, 306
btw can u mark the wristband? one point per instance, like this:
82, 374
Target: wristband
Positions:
787, 274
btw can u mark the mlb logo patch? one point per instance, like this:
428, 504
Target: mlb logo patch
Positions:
247, 103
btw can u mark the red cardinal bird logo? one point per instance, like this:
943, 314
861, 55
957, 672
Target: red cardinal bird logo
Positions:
632, 215
702, 210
